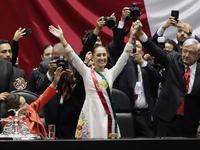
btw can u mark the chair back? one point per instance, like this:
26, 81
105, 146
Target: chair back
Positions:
123, 110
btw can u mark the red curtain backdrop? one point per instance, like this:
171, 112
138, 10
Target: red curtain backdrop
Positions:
74, 17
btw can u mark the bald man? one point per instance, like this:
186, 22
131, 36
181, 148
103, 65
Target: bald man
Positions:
184, 31
63, 111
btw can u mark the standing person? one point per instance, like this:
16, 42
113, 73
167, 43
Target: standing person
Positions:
178, 105
6, 77
184, 31
97, 118
6, 53
16, 102
138, 80
36, 74
64, 108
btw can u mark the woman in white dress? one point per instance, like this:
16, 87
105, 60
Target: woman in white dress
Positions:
97, 118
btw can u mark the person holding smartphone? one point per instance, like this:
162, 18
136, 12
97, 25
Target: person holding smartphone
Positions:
184, 30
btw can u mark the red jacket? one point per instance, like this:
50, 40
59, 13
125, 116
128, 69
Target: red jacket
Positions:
41, 101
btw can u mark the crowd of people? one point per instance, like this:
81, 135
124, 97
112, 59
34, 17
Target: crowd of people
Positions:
76, 89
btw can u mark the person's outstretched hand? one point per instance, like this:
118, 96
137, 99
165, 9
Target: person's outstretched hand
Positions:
56, 32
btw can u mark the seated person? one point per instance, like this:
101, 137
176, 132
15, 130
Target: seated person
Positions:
15, 101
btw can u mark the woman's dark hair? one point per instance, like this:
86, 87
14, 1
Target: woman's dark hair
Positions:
11, 102
45, 47
96, 46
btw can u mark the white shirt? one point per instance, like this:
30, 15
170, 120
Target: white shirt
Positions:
139, 90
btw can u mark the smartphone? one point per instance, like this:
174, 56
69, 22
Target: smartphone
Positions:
28, 32
175, 13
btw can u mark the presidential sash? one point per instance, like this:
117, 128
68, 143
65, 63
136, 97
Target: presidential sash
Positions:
103, 90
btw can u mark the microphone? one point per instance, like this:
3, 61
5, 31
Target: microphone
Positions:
38, 136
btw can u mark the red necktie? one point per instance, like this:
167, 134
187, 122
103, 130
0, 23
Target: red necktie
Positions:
187, 79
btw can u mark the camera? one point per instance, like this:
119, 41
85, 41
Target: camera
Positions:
110, 23
63, 62
135, 13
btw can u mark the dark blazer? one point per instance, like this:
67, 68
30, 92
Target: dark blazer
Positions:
6, 76
31, 86
174, 88
36, 75
129, 76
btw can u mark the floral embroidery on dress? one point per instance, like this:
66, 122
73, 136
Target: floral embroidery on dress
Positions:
82, 130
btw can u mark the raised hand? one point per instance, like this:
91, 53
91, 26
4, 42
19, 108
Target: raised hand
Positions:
113, 15
170, 22
19, 34
56, 32
125, 13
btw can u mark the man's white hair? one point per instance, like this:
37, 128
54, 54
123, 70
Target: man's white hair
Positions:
189, 42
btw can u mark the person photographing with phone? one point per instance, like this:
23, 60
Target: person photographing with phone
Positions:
184, 30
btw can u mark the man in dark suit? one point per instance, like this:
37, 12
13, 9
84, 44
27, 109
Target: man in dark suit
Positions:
6, 53
37, 72
6, 77
62, 111
178, 105
137, 80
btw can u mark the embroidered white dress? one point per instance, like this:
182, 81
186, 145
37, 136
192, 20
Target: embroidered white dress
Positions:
93, 119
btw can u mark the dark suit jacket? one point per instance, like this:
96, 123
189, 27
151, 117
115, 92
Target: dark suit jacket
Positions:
6, 76
129, 76
31, 86
37, 75
174, 89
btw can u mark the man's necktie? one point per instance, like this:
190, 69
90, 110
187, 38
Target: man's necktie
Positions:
187, 79
66, 94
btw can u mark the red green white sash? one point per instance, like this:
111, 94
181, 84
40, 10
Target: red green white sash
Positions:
103, 91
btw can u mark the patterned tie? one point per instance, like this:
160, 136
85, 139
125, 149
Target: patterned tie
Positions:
66, 94
187, 79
